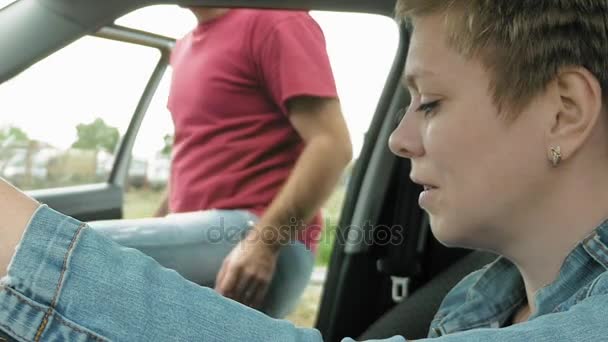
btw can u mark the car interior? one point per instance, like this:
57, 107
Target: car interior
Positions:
375, 288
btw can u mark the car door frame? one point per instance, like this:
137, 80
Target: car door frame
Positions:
104, 201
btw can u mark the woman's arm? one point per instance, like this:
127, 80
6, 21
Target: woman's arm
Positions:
67, 282
16, 210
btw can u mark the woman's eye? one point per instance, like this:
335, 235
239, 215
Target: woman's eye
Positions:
428, 108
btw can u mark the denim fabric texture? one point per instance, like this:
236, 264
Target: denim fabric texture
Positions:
67, 282
572, 308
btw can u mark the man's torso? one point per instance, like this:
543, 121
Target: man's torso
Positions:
234, 145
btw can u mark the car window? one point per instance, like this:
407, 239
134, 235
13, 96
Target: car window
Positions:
360, 62
152, 152
61, 119
352, 42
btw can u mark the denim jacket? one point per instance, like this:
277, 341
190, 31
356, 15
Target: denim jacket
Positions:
572, 308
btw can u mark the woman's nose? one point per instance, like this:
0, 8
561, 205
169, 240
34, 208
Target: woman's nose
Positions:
406, 141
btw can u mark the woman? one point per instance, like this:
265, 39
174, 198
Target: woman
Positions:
507, 132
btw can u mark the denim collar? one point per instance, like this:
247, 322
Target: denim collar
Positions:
499, 289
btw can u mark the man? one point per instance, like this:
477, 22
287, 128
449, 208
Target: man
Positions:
260, 142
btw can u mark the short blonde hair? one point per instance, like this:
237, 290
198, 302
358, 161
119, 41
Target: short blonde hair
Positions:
523, 43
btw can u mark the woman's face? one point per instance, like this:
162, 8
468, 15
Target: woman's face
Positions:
482, 173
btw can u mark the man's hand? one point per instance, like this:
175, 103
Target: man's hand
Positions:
247, 271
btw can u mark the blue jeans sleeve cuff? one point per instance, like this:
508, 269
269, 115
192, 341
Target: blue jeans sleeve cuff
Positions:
39, 263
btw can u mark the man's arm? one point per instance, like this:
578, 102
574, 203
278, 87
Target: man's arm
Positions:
246, 273
327, 152
163, 208
16, 210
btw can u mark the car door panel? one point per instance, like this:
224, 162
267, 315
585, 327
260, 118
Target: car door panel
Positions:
86, 202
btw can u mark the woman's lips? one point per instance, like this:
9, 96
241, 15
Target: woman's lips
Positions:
427, 195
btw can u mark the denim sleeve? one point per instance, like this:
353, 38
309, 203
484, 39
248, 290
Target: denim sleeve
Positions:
68, 283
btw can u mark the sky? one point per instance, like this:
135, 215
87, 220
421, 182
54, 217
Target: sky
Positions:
95, 77
4, 3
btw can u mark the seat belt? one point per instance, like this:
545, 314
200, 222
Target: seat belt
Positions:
401, 267
403, 262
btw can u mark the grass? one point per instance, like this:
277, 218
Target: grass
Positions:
141, 203
331, 211
305, 314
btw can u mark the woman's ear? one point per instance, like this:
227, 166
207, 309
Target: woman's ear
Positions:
579, 97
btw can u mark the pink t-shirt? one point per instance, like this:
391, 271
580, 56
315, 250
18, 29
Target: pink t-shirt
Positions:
232, 77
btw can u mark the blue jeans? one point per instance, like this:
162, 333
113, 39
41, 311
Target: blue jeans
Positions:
195, 245
66, 282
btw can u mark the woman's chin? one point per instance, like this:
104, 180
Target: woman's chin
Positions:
451, 235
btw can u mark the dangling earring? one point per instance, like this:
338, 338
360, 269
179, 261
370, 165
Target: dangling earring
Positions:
556, 155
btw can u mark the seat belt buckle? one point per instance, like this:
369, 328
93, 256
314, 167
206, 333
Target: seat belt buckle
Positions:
400, 289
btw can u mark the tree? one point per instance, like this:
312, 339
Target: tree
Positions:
97, 136
11, 138
11, 135
166, 151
